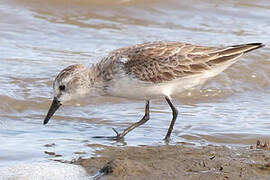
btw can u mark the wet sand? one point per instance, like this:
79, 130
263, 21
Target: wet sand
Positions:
179, 162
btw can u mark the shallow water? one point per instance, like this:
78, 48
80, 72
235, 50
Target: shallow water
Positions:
38, 39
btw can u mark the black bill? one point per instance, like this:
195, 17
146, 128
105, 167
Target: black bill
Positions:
54, 106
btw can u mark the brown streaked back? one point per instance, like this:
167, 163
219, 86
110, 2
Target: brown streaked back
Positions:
164, 61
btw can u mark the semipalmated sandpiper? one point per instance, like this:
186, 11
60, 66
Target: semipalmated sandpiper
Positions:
146, 71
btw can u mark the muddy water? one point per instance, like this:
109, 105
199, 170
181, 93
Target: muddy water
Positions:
38, 39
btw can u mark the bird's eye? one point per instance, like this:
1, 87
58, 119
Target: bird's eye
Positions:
62, 87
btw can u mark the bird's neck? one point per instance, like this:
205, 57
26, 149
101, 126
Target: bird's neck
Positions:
96, 81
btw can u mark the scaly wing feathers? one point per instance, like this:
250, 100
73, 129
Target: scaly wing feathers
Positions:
164, 61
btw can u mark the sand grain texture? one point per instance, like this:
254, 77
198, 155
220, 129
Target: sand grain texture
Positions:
180, 162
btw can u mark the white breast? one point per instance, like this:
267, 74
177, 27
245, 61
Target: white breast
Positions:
129, 87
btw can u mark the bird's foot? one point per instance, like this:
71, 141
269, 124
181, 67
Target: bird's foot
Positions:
118, 137
167, 139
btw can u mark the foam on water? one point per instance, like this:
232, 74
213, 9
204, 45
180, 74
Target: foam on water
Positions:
42, 171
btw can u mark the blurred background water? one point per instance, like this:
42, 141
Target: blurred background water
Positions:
40, 38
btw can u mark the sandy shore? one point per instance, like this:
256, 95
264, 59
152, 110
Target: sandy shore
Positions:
179, 162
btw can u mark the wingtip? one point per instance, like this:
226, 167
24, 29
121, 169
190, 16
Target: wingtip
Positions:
261, 45
257, 44
250, 44
253, 46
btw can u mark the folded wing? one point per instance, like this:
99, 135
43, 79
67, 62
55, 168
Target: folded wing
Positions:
164, 61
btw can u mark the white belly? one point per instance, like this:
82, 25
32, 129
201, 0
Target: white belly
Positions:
129, 87
136, 89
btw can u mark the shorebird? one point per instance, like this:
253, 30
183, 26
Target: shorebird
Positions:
145, 71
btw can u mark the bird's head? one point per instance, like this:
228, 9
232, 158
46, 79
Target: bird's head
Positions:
71, 83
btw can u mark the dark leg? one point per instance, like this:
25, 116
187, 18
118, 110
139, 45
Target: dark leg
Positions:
174, 113
133, 126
